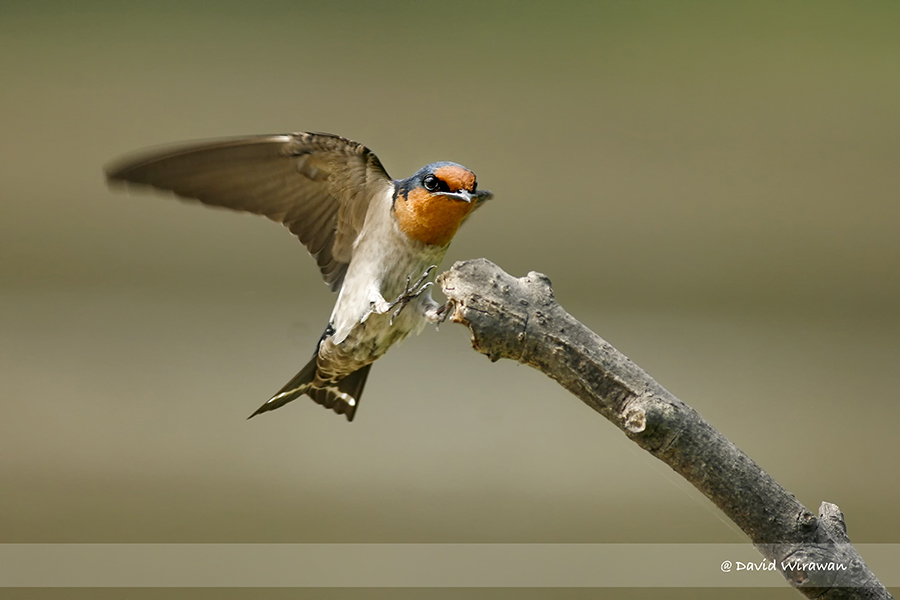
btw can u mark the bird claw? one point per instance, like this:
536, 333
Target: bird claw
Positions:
438, 315
411, 292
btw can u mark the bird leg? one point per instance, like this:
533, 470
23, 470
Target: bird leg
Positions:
378, 305
412, 292
437, 314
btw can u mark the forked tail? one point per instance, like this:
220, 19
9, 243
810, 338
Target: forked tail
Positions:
340, 396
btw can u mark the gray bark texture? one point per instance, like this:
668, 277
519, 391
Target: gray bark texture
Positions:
518, 318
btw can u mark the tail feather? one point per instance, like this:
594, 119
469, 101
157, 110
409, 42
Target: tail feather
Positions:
294, 388
341, 396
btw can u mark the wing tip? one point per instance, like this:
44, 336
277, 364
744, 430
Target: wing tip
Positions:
115, 172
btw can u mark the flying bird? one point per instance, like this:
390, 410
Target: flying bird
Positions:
376, 240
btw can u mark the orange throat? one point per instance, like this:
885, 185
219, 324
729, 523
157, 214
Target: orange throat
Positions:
432, 220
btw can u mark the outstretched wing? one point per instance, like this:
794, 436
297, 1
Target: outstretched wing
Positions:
317, 184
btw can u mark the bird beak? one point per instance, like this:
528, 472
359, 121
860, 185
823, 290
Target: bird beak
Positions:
482, 195
469, 197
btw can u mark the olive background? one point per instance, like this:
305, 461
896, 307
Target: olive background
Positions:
711, 186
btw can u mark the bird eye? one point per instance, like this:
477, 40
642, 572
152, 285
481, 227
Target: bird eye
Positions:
431, 183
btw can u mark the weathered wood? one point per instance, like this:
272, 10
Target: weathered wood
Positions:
518, 318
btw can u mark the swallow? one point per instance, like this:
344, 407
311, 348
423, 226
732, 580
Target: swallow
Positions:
376, 240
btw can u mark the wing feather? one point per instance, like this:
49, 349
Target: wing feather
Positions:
318, 185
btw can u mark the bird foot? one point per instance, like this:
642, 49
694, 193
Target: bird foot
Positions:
411, 292
437, 315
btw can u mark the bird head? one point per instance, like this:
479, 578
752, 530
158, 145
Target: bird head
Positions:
432, 204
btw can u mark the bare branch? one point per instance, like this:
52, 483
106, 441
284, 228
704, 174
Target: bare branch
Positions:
519, 319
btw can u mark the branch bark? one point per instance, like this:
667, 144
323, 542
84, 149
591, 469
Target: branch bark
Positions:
520, 320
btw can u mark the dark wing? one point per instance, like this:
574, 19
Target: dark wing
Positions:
317, 184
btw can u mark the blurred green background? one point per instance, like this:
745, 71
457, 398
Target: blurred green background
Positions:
711, 186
